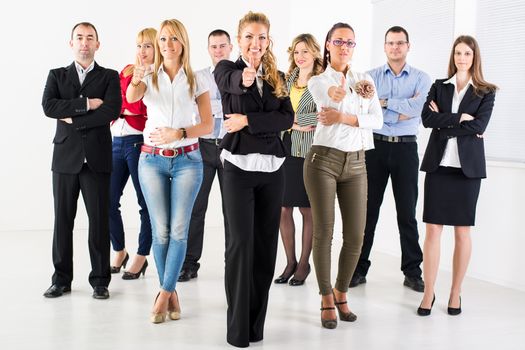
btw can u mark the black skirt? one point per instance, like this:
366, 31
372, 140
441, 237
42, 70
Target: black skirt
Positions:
294, 190
450, 197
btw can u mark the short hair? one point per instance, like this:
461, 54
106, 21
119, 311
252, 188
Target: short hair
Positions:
219, 32
397, 29
84, 24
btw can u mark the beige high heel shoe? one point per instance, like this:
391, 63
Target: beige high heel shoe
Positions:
157, 317
173, 309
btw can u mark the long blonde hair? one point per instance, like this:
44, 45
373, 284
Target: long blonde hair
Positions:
175, 28
313, 47
145, 35
480, 85
271, 73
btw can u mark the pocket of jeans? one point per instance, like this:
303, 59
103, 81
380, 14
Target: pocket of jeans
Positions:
324, 163
194, 156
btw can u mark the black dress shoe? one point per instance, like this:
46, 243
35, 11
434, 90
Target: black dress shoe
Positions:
187, 274
56, 291
297, 282
426, 312
414, 283
100, 292
454, 311
357, 279
283, 279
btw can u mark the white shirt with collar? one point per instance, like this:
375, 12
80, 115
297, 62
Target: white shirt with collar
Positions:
206, 75
254, 161
368, 111
451, 154
82, 76
171, 105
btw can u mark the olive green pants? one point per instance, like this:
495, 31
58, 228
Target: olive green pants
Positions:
329, 172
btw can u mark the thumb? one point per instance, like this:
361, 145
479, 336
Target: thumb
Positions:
252, 62
141, 62
343, 82
228, 115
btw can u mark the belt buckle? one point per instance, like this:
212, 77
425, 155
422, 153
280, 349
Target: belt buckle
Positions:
393, 139
175, 153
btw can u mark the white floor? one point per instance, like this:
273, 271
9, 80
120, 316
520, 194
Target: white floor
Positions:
493, 317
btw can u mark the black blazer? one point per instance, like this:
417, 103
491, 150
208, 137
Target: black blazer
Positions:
267, 115
446, 125
89, 136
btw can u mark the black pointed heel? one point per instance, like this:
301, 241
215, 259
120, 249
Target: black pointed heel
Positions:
116, 269
426, 312
454, 311
297, 282
133, 276
282, 279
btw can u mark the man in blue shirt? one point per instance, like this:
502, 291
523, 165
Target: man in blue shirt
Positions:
219, 48
402, 90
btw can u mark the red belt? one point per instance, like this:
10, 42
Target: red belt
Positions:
169, 152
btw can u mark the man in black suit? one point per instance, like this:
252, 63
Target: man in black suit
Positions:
84, 98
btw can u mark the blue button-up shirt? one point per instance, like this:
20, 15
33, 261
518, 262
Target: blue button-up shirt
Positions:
401, 91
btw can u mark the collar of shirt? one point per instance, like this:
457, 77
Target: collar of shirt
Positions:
406, 69
180, 74
83, 72
453, 81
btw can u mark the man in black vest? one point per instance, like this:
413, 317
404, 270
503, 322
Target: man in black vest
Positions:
83, 98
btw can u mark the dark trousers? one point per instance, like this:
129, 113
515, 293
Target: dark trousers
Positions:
95, 192
126, 153
212, 165
253, 207
400, 162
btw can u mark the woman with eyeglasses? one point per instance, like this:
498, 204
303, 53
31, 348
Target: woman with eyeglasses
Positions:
348, 110
256, 109
305, 62
170, 165
458, 110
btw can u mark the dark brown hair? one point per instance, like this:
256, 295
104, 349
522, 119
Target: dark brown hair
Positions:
326, 55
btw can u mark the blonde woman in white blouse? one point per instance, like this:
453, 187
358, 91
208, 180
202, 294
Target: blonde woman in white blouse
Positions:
170, 165
348, 110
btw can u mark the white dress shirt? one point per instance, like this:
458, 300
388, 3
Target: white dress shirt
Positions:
368, 111
266, 163
206, 75
171, 105
451, 154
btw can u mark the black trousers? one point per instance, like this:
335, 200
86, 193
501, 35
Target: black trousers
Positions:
95, 192
400, 162
253, 207
212, 165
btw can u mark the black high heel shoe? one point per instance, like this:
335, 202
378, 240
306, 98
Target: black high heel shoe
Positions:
282, 279
133, 276
297, 282
426, 312
344, 316
116, 269
454, 311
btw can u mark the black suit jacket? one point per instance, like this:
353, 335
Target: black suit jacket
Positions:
89, 136
446, 125
267, 115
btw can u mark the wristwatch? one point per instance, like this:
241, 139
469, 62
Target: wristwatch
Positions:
184, 134
384, 104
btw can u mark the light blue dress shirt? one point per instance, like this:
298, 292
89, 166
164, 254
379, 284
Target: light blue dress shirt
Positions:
400, 91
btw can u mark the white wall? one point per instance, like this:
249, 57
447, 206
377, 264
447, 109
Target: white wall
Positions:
36, 38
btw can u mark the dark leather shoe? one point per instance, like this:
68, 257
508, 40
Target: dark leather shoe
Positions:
426, 312
414, 283
454, 311
298, 282
56, 291
187, 274
100, 292
357, 279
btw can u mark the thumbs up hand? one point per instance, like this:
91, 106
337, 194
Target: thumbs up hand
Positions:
338, 93
249, 74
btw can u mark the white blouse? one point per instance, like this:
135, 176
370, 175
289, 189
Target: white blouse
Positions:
451, 154
171, 105
368, 111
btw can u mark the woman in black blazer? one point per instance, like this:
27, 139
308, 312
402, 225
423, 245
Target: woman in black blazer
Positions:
458, 110
256, 110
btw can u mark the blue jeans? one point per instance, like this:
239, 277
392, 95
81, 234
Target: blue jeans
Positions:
170, 186
126, 152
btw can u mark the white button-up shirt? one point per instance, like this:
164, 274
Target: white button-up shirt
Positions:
171, 105
451, 154
368, 111
206, 75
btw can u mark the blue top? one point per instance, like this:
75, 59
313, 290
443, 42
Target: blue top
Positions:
400, 91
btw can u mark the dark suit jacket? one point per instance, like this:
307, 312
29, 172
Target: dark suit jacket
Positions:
446, 125
267, 115
89, 136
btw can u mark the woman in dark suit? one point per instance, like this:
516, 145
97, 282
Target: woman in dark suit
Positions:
256, 110
458, 110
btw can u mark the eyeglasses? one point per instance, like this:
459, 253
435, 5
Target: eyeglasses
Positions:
339, 42
398, 43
